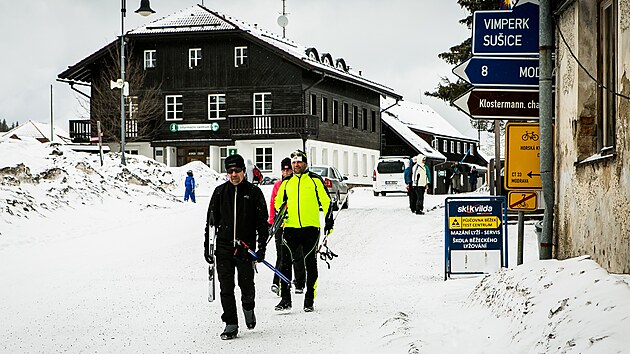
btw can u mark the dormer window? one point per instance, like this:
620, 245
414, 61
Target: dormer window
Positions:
312, 54
240, 57
341, 64
327, 59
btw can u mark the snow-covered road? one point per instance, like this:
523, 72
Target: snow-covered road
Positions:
112, 278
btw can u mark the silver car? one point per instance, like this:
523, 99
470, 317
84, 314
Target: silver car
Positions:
336, 184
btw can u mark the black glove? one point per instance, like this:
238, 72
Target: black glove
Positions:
209, 259
260, 254
329, 225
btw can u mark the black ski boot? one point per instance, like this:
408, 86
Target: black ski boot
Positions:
283, 305
250, 318
308, 305
229, 332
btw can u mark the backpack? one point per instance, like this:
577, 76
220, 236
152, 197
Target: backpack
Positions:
257, 174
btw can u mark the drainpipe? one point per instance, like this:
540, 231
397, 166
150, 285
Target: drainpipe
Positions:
546, 131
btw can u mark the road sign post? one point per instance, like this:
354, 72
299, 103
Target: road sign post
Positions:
499, 71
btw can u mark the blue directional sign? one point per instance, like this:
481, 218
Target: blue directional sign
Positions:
507, 32
499, 71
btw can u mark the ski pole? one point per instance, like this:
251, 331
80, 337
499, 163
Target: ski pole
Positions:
253, 254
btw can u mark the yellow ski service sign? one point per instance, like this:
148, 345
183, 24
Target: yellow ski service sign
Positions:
474, 222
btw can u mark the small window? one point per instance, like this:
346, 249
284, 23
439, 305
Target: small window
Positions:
324, 109
466, 147
174, 107
335, 112
262, 103
264, 158
158, 152
223, 151
194, 57
355, 116
452, 147
346, 114
313, 104
608, 24
444, 146
216, 106
240, 57
364, 119
150, 59
459, 147
373, 121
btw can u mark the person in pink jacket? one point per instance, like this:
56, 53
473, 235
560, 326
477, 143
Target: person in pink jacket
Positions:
298, 265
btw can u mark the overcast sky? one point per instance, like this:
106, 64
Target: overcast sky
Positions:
394, 42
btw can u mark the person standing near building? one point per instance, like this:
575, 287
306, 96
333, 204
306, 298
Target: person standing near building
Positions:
411, 193
306, 195
298, 261
473, 175
238, 212
421, 180
190, 187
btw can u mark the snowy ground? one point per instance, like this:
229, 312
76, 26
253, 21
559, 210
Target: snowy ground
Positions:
110, 260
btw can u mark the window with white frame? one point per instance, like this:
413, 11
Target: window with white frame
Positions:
216, 106
453, 147
150, 59
465, 147
608, 25
313, 104
174, 107
240, 57
263, 156
194, 57
444, 146
324, 109
459, 147
262, 103
335, 112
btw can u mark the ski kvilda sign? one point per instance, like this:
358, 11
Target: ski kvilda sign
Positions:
475, 235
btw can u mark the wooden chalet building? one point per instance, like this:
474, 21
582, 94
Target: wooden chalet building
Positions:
226, 86
412, 128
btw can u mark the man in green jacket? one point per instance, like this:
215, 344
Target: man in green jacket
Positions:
306, 195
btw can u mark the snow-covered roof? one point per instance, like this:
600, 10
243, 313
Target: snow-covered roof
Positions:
39, 131
411, 138
199, 19
422, 117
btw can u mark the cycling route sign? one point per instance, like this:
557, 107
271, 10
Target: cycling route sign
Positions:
522, 156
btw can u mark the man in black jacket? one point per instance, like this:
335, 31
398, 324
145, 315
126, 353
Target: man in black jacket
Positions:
239, 213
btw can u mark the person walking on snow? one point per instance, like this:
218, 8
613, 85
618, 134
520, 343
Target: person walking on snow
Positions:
190, 187
411, 193
238, 212
298, 258
472, 178
421, 179
306, 195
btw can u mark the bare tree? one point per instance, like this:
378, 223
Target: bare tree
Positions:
143, 110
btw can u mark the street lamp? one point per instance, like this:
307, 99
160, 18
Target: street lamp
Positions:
144, 10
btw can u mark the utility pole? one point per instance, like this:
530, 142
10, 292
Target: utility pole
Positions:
546, 128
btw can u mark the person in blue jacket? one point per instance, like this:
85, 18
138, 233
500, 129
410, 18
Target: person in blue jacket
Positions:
190, 187
409, 182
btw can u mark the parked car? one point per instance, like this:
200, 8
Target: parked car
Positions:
336, 184
388, 176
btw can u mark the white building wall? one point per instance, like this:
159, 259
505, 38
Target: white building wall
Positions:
351, 161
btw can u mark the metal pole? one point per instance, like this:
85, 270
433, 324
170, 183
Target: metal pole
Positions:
521, 229
497, 156
52, 121
546, 129
123, 12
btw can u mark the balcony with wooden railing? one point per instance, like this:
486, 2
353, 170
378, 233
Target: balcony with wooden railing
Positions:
273, 126
80, 130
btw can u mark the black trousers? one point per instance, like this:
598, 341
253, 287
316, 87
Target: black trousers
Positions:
298, 264
411, 192
228, 266
420, 197
308, 239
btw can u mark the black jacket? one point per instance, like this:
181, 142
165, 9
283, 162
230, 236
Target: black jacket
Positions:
251, 216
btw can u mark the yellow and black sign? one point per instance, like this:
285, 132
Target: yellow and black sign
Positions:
522, 200
474, 222
522, 156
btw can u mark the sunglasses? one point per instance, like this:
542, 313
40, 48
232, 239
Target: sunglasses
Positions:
234, 170
298, 154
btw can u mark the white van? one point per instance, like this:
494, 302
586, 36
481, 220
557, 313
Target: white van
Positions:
388, 176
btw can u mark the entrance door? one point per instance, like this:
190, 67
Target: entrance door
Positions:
189, 154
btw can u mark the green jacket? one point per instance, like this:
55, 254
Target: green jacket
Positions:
305, 193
